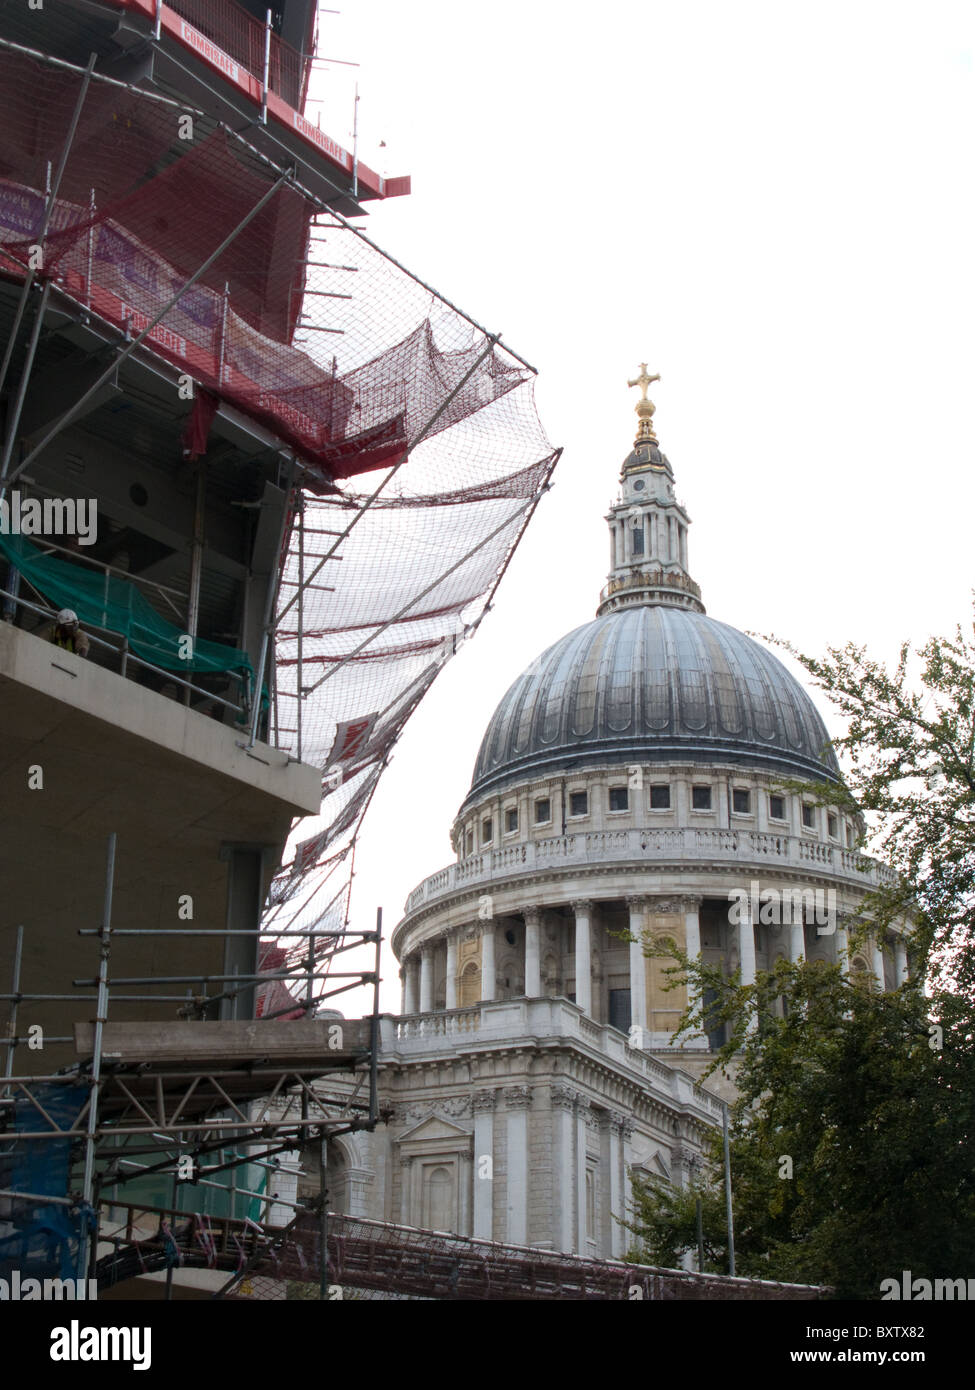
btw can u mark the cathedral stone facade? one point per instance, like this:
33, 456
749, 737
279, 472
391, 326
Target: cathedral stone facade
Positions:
629, 787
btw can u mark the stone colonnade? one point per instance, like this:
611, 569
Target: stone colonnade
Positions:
417, 973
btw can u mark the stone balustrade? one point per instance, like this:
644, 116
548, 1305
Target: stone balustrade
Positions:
687, 845
411, 1035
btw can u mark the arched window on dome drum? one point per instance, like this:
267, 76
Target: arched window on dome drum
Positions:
470, 985
637, 538
860, 972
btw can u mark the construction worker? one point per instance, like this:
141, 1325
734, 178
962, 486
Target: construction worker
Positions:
67, 633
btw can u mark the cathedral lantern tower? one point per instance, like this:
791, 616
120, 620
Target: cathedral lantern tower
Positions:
648, 525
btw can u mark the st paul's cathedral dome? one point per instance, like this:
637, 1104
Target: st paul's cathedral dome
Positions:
650, 773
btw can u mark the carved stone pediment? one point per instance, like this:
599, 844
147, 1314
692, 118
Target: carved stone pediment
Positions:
435, 1129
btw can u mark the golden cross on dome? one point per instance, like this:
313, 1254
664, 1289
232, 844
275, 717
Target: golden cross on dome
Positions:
645, 408
643, 380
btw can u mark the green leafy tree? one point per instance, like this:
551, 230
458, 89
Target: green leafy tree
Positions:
908, 758
852, 1135
664, 1222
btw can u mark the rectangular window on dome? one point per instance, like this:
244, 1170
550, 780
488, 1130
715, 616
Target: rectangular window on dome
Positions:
619, 1009
741, 801
701, 798
832, 826
578, 803
487, 831
776, 807
619, 798
660, 796
638, 539
849, 837
808, 816
469, 842
511, 820
543, 810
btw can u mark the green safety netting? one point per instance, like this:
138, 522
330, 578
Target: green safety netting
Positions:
104, 601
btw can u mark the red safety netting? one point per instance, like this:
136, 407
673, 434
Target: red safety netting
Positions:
149, 193
307, 326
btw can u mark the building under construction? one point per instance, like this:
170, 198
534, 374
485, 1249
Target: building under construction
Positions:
275, 478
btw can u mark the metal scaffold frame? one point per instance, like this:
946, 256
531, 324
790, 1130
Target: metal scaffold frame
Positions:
195, 1091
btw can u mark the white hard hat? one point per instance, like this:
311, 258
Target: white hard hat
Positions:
66, 616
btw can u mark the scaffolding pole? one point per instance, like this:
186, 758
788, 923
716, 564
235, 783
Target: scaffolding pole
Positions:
46, 218
15, 1002
89, 1216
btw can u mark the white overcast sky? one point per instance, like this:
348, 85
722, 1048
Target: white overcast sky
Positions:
771, 204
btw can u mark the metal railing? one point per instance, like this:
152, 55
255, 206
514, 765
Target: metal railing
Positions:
244, 39
126, 656
46, 546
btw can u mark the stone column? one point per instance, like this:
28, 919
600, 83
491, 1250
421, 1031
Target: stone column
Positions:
563, 1107
412, 966
451, 970
900, 962
582, 1119
426, 977
692, 945
284, 1183
533, 952
406, 1190
483, 1106
638, 969
877, 963
517, 1101
692, 927
617, 1234
626, 1159
746, 944
797, 936
746, 952
488, 970
402, 989
583, 912
842, 940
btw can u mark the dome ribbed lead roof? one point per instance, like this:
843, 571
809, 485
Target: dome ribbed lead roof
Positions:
653, 684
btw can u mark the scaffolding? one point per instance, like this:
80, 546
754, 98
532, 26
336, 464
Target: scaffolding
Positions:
184, 1104
403, 439
356, 366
